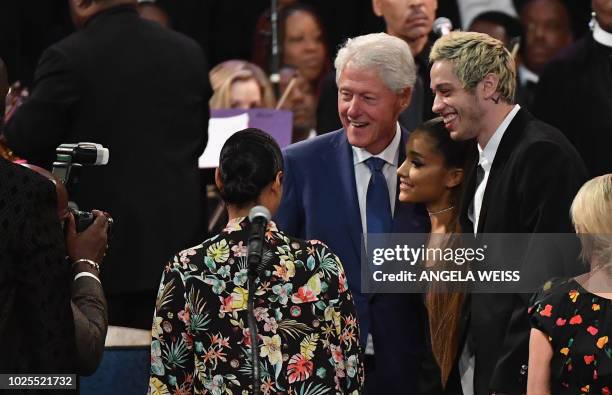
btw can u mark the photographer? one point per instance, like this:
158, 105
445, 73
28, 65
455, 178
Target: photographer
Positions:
37, 325
89, 307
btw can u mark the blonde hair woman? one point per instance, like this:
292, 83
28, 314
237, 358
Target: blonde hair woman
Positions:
240, 84
570, 346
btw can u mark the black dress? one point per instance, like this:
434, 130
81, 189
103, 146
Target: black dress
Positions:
579, 327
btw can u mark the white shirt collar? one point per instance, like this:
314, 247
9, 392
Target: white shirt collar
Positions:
389, 154
526, 75
487, 155
601, 36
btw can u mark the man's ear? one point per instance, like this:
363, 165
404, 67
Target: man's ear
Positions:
454, 177
405, 97
490, 83
377, 7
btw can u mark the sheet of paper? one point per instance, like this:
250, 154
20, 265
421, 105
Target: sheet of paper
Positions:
219, 130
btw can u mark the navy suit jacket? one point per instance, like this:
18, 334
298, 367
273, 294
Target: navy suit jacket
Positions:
320, 202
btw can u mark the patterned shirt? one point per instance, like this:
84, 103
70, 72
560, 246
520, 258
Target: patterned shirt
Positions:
579, 327
307, 332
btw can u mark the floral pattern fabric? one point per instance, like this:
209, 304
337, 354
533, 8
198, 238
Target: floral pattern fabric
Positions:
579, 327
306, 321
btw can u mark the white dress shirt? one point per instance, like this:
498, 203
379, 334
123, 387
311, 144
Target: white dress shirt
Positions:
526, 75
362, 173
601, 36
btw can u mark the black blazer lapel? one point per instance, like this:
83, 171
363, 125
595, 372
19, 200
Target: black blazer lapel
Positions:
507, 145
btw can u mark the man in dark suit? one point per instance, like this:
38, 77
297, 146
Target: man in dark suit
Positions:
330, 186
142, 91
526, 178
574, 93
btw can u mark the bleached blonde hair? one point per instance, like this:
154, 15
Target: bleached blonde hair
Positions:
591, 214
473, 56
223, 75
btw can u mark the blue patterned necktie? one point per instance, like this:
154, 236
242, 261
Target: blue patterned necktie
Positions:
378, 206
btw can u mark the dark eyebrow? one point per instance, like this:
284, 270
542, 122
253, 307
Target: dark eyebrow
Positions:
441, 86
414, 153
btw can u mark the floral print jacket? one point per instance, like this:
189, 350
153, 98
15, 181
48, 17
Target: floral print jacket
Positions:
308, 337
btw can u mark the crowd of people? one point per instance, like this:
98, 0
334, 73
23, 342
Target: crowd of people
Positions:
499, 129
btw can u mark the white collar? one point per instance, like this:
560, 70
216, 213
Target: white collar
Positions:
487, 155
601, 36
390, 154
526, 75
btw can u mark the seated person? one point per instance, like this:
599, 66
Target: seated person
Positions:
301, 101
240, 84
302, 321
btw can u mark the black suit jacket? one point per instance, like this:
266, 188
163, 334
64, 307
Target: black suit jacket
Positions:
534, 178
36, 327
574, 95
142, 91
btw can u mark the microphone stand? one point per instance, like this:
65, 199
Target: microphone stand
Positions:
255, 253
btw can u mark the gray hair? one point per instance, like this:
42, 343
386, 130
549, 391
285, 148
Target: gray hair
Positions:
389, 56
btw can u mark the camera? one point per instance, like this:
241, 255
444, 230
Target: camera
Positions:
70, 159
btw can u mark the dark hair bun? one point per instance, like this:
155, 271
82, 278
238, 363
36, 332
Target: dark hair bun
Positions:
249, 161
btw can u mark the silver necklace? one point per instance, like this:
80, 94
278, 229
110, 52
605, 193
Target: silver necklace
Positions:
440, 211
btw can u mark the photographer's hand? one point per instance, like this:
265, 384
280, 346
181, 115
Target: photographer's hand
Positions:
91, 243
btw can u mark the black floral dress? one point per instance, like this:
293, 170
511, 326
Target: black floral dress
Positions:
307, 332
579, 327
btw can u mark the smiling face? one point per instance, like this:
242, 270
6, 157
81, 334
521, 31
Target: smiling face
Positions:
303, 45
424, 176
462, 110
368, 109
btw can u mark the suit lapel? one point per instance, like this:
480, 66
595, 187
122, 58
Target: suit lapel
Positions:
507, 144
340, 161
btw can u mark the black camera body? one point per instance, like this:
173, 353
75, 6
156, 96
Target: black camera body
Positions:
70, 159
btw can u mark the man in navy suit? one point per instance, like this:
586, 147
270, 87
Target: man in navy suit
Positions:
340, 185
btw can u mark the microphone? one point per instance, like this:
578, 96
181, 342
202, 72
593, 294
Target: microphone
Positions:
442, 26
259, 217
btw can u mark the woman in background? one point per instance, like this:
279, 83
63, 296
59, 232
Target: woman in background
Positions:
303, 43
240, 84
570, 350
301, 40
433, 174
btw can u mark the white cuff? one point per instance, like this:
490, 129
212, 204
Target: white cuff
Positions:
87, 274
